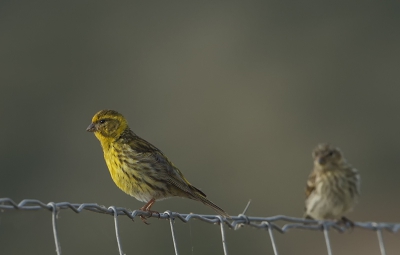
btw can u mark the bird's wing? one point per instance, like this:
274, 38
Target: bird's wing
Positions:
182, 183
353, 176
161, 163
138, 144
310, 187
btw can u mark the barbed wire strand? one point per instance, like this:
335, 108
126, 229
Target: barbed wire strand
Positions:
243, 214
267, 223
269, 227
271, 234
327, 240
116, 229
54, 225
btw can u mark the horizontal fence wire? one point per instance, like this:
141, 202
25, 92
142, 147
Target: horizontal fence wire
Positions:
235, 222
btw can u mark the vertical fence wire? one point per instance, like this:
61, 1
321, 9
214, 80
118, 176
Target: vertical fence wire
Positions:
221, 224
327, 240
117, 229
271, 236
171, 223
54, 224
380, 240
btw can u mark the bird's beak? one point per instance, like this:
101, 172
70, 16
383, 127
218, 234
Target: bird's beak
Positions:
91, 127
321, 160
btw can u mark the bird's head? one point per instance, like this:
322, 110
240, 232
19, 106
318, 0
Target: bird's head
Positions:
327, 156
107, 124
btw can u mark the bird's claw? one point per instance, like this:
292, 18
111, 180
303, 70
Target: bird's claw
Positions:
144, 218
346, 222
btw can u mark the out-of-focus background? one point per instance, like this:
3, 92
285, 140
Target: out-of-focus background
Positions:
236, 94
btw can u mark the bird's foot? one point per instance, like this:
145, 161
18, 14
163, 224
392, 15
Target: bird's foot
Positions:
346, 222
308, 217
144, 218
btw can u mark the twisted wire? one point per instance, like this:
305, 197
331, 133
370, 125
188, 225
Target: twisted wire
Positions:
256, 222
235, 222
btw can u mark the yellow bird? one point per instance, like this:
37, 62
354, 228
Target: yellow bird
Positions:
137, 167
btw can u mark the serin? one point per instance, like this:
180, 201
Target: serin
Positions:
333, 186
137, 167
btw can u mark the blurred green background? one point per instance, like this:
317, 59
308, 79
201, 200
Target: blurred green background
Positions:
237, 94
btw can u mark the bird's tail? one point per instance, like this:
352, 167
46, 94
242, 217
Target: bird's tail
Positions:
207, 202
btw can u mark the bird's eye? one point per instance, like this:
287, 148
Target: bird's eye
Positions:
330, 154
102, 121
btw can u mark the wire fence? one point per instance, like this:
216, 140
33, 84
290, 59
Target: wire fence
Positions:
235, 222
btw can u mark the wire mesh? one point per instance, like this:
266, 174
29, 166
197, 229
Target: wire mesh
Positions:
235, 222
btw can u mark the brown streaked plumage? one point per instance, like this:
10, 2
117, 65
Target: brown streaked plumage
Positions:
333, 186
139, 168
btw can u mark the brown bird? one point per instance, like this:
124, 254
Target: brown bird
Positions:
333, 186
137, 167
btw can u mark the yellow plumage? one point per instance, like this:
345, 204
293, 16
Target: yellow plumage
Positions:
139, 168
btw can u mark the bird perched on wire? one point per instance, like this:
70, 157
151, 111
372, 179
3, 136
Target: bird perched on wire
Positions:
137, 167
333, 186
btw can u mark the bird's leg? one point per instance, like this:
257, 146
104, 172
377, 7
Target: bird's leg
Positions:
147, 208
149, 205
